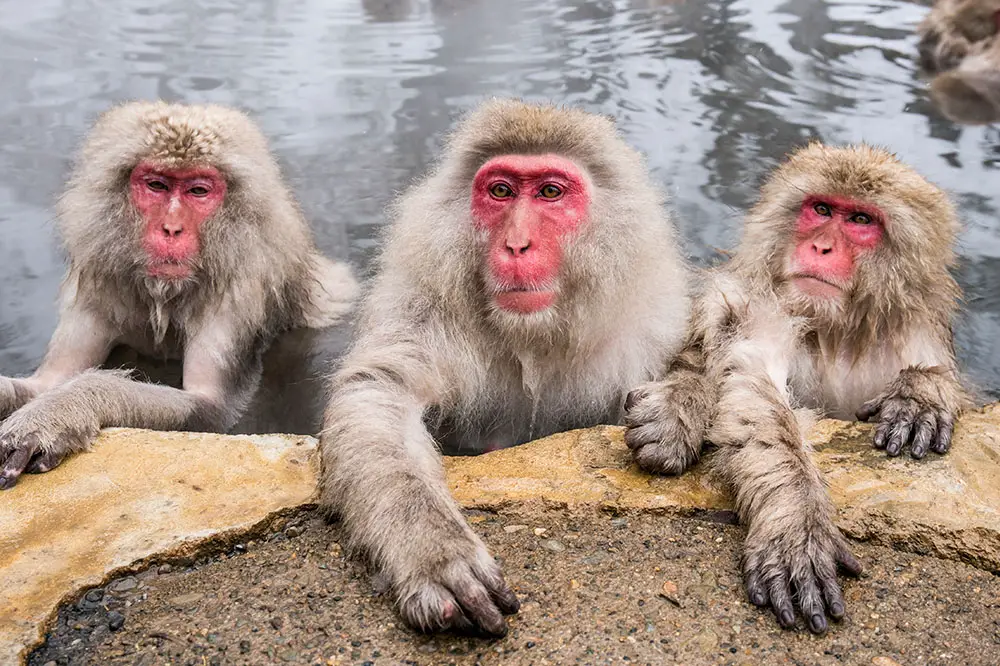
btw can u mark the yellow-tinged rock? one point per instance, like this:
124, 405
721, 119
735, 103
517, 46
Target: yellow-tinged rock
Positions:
138, 496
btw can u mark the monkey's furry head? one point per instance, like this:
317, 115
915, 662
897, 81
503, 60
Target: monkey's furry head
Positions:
626, 232
894, 281
251, 241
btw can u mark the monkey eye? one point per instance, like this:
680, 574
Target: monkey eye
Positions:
157, 185
501, 191
198, 191
550, 191
822, 209
861, 218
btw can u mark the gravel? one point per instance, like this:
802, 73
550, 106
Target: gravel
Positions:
632, 588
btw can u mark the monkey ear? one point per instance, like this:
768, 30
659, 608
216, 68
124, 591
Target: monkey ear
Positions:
968, 97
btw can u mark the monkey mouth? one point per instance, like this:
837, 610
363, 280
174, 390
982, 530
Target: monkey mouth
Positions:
812, 285
524, 299
169, 270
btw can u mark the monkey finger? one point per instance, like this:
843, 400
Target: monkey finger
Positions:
833, 596
810, 601
898, 437
478, 606
503, 596
926, 428
634, 397
869, 409
752, 580
946, 426
847, 563
45, 461
781, 600
881, 435
638, 435
13, 466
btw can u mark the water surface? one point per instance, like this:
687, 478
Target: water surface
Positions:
355, 95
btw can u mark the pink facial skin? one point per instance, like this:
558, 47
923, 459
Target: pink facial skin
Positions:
830, 234
174, 203
527, 204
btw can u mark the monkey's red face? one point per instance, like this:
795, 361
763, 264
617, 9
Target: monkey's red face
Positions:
527, 205
174, 203
831, 234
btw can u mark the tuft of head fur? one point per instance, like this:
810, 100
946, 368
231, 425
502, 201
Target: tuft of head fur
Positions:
433, 227
256, 250
907, 278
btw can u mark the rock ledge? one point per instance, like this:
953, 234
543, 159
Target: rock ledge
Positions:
142, 497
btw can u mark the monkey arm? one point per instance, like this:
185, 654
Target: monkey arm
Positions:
221, 372
778, 491
82, 340
382, 475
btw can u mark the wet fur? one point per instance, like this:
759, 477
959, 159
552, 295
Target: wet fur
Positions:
761, 361
258, 273
436, 364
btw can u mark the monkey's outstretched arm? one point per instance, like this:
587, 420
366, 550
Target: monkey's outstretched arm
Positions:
82, 340
779, 494
382, 475
220, 373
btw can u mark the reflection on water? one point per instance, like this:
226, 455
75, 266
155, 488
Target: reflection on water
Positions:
357, 93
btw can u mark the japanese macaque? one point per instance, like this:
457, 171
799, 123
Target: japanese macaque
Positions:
184, 241
525, 286
838, 300
956, 29
970, 93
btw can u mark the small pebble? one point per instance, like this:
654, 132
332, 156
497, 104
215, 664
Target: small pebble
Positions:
553, 545
293, 531
244, 646
115, 620
510, 529
164, 569
277, 623
539, 531
124, 585
94, 596
620, 523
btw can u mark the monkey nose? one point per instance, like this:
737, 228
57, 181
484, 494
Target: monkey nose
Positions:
172, 230
518, 248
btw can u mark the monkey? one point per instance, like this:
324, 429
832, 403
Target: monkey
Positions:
183, 242
524, 286
838, 301
970, 93
955, 29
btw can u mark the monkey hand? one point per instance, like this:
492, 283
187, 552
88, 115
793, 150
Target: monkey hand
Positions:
783, 551
446, 580
37, 437
919, 408
666, 422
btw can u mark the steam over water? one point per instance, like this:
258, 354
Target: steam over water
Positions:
356, 94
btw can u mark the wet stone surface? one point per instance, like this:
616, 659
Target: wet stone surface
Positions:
598, 600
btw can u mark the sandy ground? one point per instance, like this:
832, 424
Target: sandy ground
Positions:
590, 586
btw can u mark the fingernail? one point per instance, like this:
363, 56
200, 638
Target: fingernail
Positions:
787, 619
758, 599
837, 609
818, 623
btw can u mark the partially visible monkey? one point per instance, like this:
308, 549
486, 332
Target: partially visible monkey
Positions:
955, 29
524, 287
839, 299
183, 240
970, 93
